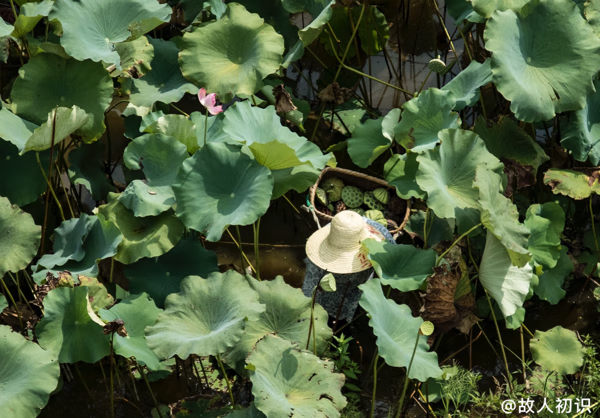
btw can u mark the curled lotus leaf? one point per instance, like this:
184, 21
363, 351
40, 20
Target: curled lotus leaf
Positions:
397, 332
546, 223
372, 138
30, 14
92, 28
220, 185
558, 350
551, 281
287, 381
231, 55
193, 323
400, 171
274, 14
136, 57
464, 88
544, 56
577, 183
28, 375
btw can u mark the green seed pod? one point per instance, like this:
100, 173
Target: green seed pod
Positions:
352, 196
372, 203
427, 328
321, 196
333, 187
382, 195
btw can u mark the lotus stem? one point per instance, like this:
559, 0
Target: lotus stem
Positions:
112, 268
149, 389
437, 10
523, 357
499, 339
226, 380
291, 204
13, 302
62, 183
312, 316
50, 188
84, 384
203, 370
374, 386
179, 110
456, 242
527, 329
112, 389
239, 245
14, 10
406, 379
205, 126
21, 295
256, 227
129, 366
197, 372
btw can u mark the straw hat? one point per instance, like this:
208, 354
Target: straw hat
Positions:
337, 246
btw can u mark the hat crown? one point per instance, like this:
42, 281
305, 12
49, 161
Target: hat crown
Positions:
347, 230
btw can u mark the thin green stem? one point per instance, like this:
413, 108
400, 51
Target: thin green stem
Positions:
14, 10
374, 386
13, 302
179, 110
291, 204
500, 339
423, 83
239, 245
62, 214
111, 107
594, 229
226, 380
406, 379
141, 370
256, 227
112, 269
242, 255
312, 314
456, 242
21, 295
112, 390
84, 384
62, 183
205, 127
527, 329
129, 366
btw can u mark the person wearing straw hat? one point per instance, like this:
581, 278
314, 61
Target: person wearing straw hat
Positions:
337, 248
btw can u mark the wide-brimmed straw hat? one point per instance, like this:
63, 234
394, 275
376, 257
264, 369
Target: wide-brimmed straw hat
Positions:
337, 247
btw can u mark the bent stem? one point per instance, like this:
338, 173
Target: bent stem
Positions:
456, 242
112, 390
374, 386
149, 388
406, 379
13, 302
256, 227
499, 339
226, 380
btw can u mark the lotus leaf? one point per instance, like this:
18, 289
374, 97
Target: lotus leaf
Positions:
221, 186
3, 303
506, 283
287, 315
546, 223
287, 381
92, 28
164, 83
372, 139
400, 171
176, 126
591, 13
397, 330
136, 57
31, 182
402, 267
20, 238
274, 14
581, 134
446, 173
232, 55
5, 28
463, 10
485, 8
48, 81
98, 296
250, 412
159, 157
575, 184
550, 285
558, 350
543, 58
377, 216
150, 236
464, 88
28, 375
29, 16
86, 167
442, 229
500, 216
206, 318
424, 117
138, 312
79, 245
161, 276
68, 330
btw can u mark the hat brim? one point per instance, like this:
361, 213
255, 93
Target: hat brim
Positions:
338, 260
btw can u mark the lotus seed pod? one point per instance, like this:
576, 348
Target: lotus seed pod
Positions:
436, 65
340, 206
360, 211
321, 196
328, 283
333, 187
352, 196
427, 328
373, 203
382, 195
377, 216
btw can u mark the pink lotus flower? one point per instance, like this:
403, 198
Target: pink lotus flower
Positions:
208, 101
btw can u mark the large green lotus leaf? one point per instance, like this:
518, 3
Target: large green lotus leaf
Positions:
31, 182
20, 238
400, 171
93, 236
485, 8
28, 375
86, 167
91, 28
440, 229
463, 10
543, 58
546, 223
246, 124
374, 31
150, 236
48, 81
274, 14
446, 173
575, 184
402, 267
136, 58
68, 331
220, 186
30, 137
287, 315
550, 283
161, 276
164, 83
138, 312
179, 127
206, 318
159, 157
424, 117
464, 88
397, 330
29, 16
557, 350
289, 382
506, 283
581, 133
501, 217
231, 55
507, 141
368, 141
